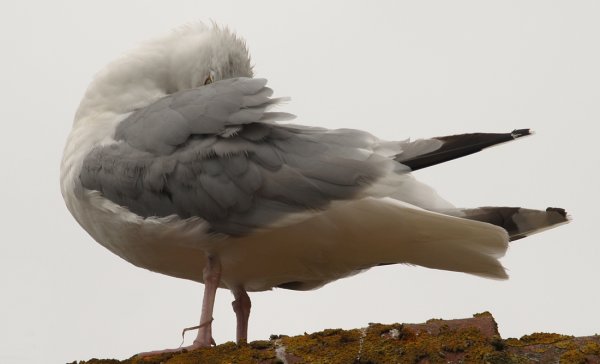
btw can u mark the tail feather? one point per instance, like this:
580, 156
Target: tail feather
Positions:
517, 221
454, 146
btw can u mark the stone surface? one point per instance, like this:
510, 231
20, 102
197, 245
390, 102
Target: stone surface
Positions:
471, 340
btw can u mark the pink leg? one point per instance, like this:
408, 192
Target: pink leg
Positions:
212, 277
241, 307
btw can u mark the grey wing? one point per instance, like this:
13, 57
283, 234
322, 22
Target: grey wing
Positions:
216, 153
218, 108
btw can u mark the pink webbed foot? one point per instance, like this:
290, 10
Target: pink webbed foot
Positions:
212, 277
194, 346
203, 340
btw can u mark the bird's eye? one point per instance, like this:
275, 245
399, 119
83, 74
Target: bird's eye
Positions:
208, 80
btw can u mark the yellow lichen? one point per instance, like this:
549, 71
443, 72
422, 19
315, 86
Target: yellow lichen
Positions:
566, 345
590, 348
436, 342
573, 357
538, 338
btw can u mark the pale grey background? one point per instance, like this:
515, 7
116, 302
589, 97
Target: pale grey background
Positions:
397, 69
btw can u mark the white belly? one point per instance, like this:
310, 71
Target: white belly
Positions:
341, 241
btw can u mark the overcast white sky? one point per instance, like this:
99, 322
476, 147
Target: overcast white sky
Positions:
397, 69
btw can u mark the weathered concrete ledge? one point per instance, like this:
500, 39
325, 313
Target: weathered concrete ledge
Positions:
471, 340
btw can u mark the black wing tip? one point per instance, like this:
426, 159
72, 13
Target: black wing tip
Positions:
517, 133
460, 145
559, 210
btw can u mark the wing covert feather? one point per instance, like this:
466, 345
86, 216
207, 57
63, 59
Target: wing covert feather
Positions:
215, 153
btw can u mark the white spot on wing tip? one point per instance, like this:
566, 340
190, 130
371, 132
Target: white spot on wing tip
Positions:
520, 133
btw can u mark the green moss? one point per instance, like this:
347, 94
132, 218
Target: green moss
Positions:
566, 345
261, 344
542, 338
438, 342
504, 358
329, 346
581, 354
498, 343
573, 357
590, 348
225, 353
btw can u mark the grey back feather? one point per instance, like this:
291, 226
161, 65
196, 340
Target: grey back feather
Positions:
216, 152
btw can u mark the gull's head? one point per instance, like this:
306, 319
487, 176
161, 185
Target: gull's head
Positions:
188, 57
201, 55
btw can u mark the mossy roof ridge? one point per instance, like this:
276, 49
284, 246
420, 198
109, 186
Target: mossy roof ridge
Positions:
470, 340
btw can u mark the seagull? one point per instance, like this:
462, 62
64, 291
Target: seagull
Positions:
178, 163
